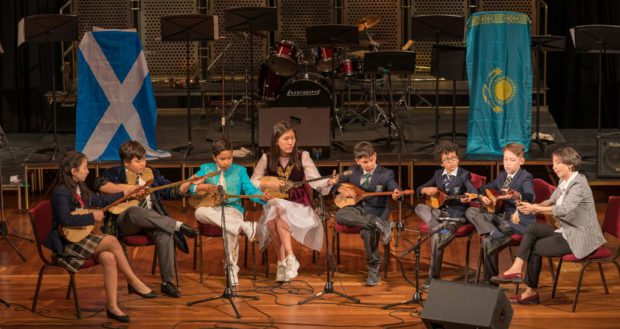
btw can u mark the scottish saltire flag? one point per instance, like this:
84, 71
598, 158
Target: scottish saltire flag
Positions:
500, 81
115, 97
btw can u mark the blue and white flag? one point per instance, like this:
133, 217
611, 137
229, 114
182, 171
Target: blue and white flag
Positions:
115, 97
499, 74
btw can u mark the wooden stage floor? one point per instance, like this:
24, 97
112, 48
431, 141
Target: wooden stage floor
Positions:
277, 307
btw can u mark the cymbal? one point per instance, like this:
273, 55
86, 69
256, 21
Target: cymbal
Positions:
367, 22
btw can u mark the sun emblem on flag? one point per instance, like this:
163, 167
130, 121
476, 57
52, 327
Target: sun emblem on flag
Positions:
498, 90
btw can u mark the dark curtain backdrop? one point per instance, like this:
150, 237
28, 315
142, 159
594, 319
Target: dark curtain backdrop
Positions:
572, 78
25, 71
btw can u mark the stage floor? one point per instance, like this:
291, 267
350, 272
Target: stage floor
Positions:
277, 306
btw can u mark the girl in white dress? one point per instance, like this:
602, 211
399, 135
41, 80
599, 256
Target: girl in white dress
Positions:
294, 217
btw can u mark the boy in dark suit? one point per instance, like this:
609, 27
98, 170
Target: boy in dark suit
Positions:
371, 214
496, 229
453, 181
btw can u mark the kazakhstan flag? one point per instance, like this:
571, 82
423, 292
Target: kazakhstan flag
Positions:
500, 81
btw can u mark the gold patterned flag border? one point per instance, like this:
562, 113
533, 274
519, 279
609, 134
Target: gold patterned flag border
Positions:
499, 18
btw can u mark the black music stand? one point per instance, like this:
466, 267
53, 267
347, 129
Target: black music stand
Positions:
3, 139
188, 27
543, 43
448, 62
251, 20
388, 62
601, 40
333, 35
437, 28
49, 28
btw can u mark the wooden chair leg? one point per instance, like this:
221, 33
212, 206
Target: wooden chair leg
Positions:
600, 269
550, 259
245, 252
200, 264
337, 247
556, 279
195, 252
480, 257
154, 264
69, 287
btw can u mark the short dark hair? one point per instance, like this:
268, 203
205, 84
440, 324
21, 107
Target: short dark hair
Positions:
516, 148
444, 147
130, 150
220, 145
569, 157
363, 149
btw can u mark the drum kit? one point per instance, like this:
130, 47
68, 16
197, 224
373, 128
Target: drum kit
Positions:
290, 72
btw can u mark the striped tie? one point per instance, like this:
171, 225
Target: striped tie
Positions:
366, 180
446, 182
507, 182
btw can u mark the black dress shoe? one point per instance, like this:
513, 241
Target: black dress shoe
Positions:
167, 288
494, 246
132, 290
188, 231
180, 243
119, 318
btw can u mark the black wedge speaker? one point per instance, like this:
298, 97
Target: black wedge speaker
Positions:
452, 305
608, 155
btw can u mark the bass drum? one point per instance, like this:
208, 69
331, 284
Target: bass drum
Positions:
308, 90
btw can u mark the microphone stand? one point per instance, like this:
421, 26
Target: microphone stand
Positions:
329, 285
228, 292
417, 296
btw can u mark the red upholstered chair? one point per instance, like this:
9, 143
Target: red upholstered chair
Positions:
464, 231
338, 229
611, 226
543, 191
41, 220
143, 240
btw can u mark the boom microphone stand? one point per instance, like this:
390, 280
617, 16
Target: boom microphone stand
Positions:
228, 293
329, 285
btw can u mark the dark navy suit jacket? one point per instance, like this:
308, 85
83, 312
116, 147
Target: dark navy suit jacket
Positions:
522, 183
382, 180
63, 203
459, 185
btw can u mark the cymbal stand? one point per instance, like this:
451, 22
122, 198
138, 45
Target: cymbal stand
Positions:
245, 100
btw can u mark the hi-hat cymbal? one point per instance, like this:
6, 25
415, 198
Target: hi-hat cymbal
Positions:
367, 22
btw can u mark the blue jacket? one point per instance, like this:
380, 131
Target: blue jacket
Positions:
63, 203
522, 183
459, 185
237, 181
382, 180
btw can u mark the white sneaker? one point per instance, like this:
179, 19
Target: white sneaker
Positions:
281, 272
250, 230
292, 265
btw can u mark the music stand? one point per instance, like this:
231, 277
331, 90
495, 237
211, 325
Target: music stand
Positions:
49, 28
601, 40
188, 27
332, 35
448, 62
3, 138
388, 62
540, 43
437, 28
251, 20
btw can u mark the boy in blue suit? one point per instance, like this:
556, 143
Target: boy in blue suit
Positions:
454, 181
371, 214
496, 229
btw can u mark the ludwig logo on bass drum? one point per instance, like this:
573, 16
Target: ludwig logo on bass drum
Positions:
301, 93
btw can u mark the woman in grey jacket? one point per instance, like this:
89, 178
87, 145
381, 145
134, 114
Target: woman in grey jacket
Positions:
578, 230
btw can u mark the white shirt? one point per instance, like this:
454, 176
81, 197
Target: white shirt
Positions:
367, 172
452, 173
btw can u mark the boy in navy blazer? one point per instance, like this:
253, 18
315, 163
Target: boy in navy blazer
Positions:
454, 181
371, 214
496, 229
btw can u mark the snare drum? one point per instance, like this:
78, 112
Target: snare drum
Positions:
283, 59
324, 59
351, 67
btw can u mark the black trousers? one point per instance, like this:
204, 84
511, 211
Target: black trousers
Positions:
357, 216
540, 240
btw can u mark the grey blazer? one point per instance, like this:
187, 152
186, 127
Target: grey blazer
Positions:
577, 217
